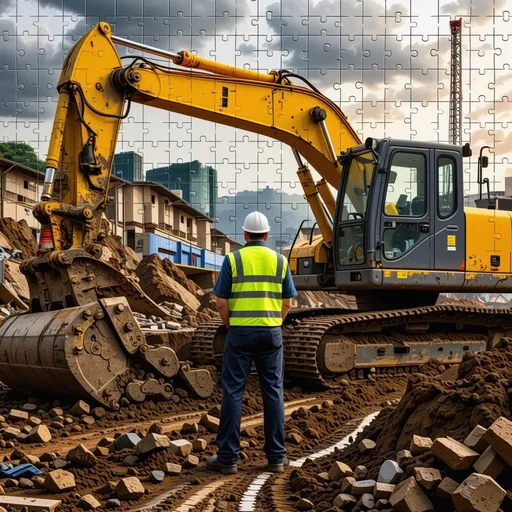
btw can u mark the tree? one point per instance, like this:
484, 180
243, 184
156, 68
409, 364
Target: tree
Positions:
21, 153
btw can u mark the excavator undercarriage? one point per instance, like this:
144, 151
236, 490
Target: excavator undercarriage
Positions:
324, 346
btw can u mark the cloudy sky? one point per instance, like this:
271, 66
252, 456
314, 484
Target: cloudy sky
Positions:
386, 63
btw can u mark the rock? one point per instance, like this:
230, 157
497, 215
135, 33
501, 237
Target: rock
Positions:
408, 497
130, 460
311, 433
383, 490
106, 441
490, 463
383, 504
344, 501
81, 456
499, 436
475, 439
57, 425
366, 445
17, 415
363, 487
101, 451
199, 445
210, 423
249, 432
151, 443
420, 445
108, 488
30, 459
304, 504
360, 472
323, 477
39, 434
390, 472
294, 438
366, 502
130, 440
59, 481
88, 420
190, 428
339, 470
456, 455
172, 469
56, 411
48, 457
181, 447
446, 488
113, 503
403, 456
157, 477
190, 462
346, 483
327, 404
33, 421
428, 478
29, 407
98, 412
60, 463
80, 408
88, 502
10, 433
11, 483
478, 493
17, 455
129, 488
38, 482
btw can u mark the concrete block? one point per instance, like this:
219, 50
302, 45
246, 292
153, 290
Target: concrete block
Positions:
39, 434
181, 447
210, 423
151, 443
360, 472
428, 478
366, 502
456, 455
403, 456
17, 415
199, 445
346, 484
129, 489
127, 441
478, 493
344, 501
59, 481
490, 463
81, 456
446, 488
499, 436
366, 445
88, 502
420, 445
172, 469
80, 408
339, 470
475, 439
363, 487
390, 472
408, 497
383, 490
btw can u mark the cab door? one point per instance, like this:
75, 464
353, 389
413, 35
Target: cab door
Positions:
448, 211
405, 225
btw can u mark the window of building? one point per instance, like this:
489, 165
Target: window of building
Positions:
20, 198
130, 235
153, 199
182, 219
189, 223
194, 260
25, 184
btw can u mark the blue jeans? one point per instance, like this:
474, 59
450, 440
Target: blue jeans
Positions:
264, 345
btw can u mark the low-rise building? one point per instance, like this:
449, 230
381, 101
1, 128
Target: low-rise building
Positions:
152, 219
20, 191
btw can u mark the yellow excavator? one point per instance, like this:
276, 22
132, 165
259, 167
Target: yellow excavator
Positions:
396, 236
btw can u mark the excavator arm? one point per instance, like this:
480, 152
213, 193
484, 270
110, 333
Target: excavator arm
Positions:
95, 89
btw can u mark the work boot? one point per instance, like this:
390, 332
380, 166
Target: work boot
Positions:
214, 464
278, 467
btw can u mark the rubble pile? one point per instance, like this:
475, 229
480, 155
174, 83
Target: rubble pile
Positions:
19, 236
446, 446
118, 255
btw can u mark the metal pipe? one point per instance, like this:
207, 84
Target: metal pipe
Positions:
48, 184
145, 48
328, 140
298, 158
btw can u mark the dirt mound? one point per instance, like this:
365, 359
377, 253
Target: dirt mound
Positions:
160, 286
20, 236
118, 255
431, 407
174, 272
325, 300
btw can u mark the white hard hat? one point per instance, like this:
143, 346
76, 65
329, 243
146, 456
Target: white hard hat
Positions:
256, 222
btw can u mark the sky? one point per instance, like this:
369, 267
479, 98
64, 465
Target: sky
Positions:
385, 63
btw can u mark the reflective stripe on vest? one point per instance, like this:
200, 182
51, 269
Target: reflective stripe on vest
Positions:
257, 275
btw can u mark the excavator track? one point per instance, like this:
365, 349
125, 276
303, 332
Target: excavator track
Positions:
307, 333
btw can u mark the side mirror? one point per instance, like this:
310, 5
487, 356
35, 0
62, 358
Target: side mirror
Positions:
466, 150
485, 162
392, 177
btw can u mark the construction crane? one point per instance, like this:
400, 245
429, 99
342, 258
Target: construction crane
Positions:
456, 82
396, 236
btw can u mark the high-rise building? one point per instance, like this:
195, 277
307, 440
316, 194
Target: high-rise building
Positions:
128, 165
197, 182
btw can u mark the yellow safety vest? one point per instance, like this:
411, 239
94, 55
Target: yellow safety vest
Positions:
257, 274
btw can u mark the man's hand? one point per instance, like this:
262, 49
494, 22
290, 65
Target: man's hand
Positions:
287, 304
222, 306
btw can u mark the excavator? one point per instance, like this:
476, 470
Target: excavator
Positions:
396, 235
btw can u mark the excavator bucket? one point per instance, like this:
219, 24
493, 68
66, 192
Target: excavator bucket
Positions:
95, 350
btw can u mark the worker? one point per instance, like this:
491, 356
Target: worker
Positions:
253, 296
